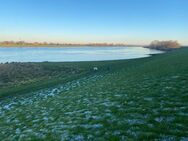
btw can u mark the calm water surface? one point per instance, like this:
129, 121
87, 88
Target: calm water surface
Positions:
71, 54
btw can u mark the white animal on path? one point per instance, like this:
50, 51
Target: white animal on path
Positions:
95, 68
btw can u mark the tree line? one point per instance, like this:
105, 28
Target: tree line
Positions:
164, 45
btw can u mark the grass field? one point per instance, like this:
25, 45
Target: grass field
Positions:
140, 99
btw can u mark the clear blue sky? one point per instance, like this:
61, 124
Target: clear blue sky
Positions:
82, 21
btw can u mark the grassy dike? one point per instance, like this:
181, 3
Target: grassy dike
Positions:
139, 99
21, 78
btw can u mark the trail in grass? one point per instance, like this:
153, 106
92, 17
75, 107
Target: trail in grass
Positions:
38, 96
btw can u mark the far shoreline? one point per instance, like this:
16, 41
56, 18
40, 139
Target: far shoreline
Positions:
65, 46
52, 44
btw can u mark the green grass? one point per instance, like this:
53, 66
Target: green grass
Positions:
140, 99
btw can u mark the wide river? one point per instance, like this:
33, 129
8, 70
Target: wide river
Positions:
72, 54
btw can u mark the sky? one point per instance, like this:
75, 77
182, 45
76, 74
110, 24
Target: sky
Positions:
88, 21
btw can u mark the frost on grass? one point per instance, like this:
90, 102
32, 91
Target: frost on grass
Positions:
89, 108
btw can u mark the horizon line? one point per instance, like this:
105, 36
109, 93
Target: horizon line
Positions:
78, 43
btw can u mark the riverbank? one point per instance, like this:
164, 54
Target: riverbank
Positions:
25, 77
138, 99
